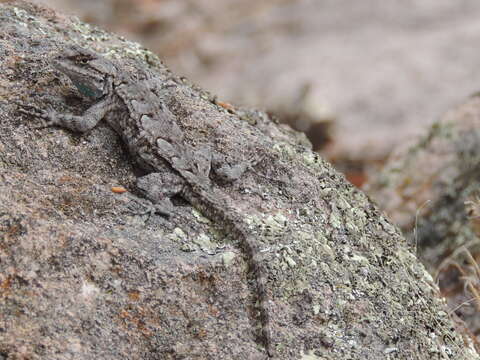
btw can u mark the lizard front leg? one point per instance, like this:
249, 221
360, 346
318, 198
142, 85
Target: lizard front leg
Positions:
77, 123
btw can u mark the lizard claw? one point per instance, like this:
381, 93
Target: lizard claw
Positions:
147, 208
46, 116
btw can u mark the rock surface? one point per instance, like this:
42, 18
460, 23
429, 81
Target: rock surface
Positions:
81, 277
430, 188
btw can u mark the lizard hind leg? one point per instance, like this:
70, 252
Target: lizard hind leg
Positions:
159, 188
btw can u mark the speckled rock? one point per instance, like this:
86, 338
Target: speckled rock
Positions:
430, 188
82, 277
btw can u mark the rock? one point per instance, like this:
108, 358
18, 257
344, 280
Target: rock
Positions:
430, 187
81, 277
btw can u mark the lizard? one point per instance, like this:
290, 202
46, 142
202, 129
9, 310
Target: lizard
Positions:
133, 104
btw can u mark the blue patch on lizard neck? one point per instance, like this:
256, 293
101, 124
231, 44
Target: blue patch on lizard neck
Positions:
87, 90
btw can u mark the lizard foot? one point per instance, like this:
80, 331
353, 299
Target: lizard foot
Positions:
145, 207
47, 117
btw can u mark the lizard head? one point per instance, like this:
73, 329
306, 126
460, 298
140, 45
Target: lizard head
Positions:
88, 71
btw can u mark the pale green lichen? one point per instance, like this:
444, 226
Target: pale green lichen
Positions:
179, 236
200, 217
227, 258
290, 261
336, 219
284, 149
205, 244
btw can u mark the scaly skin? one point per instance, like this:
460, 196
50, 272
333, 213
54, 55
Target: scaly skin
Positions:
134, 106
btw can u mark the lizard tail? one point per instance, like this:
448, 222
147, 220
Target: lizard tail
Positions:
259, 270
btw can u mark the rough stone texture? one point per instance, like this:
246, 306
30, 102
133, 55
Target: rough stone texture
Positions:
83, 278
430, 187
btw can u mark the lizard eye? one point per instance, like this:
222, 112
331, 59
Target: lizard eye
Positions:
82, 59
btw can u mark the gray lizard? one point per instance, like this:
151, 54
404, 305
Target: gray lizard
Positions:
133, 104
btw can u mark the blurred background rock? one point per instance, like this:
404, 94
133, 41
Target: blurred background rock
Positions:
359, 77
